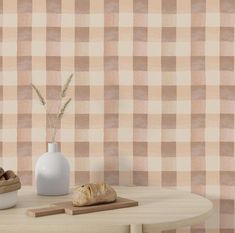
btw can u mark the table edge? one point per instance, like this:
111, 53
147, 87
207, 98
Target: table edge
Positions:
152, 227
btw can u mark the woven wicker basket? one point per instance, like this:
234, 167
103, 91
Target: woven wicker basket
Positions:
8, 192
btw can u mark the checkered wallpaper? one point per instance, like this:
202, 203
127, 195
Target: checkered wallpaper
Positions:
153, 91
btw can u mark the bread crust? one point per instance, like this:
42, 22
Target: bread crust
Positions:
90, 194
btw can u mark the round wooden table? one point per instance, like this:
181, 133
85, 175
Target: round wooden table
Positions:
159, 209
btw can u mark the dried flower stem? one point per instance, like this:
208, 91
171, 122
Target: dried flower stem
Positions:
60, 111
41, 99
65, 87
63, 108
56, 122
50, 120
62, 95
43, 102
59, 116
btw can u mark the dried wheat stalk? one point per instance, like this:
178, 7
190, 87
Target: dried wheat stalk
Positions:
65, 87
59, 116
61, 113
41, 99
43, 102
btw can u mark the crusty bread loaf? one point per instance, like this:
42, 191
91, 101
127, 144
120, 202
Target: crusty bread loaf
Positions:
90, 194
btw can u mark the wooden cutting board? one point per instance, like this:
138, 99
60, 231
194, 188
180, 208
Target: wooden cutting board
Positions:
68, 208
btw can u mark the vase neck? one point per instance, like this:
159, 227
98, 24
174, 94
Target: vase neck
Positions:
52, 147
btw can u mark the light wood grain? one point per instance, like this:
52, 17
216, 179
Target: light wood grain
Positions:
68, 208
42, 212
136, 228
120, 203
159, 209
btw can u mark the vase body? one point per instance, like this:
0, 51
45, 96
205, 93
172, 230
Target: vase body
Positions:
52, 172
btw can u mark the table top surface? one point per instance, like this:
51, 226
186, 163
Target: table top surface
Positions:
159, 209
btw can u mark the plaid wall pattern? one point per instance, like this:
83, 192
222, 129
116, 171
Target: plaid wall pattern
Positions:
153, 92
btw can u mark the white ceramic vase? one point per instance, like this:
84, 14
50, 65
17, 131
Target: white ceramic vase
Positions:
52, 172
